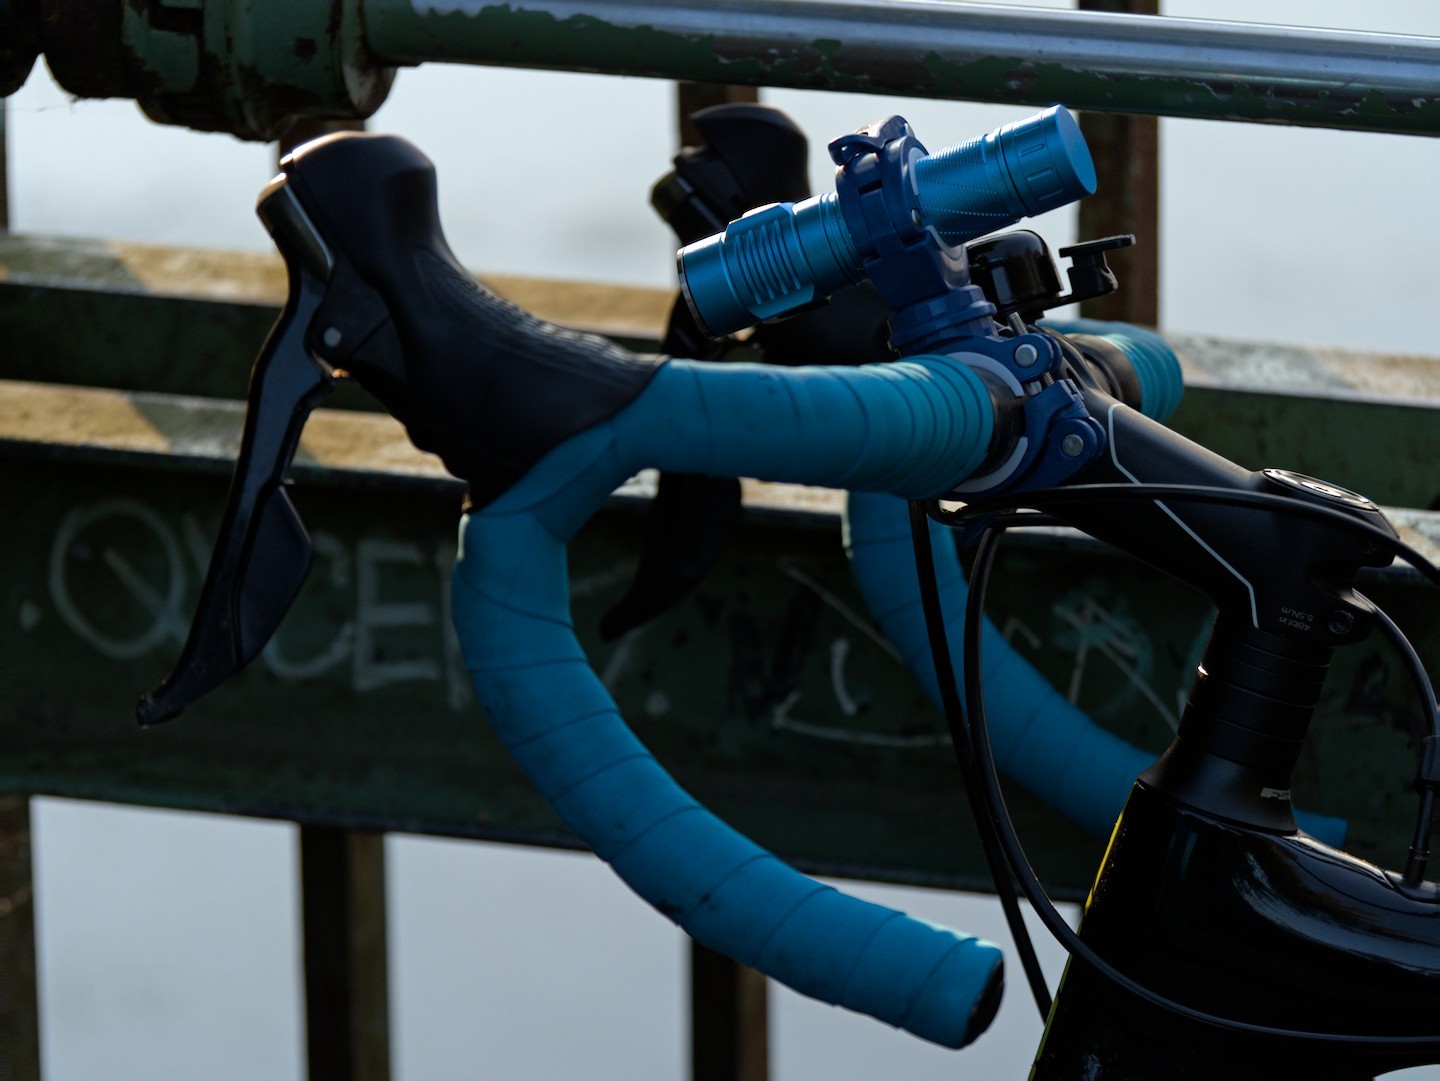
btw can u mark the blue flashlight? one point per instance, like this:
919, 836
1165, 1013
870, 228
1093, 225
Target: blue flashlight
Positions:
783, 257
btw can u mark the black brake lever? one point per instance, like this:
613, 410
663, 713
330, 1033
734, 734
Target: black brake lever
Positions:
263, 554
751, 155
377, 295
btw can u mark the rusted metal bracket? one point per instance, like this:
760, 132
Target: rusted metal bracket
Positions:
19, 1000
248, 67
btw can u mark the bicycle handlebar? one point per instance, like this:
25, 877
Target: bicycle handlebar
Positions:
562, 727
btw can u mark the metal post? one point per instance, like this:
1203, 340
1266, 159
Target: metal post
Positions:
19, 997
4, 168
729, 1013
347, 1010
1127, 163
729, 1019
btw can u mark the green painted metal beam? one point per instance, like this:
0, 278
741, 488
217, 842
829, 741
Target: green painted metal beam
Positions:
189, 322
767, 693
360, 716
981, 52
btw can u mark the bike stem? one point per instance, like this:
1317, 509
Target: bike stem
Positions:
1283, 587
1283, 583
1209, 894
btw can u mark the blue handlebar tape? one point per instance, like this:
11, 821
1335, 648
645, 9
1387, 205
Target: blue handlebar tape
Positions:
1042, 741
914, 427
1156, 366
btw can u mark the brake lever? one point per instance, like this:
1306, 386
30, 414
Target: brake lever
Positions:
750, 155
377, 295
263, 554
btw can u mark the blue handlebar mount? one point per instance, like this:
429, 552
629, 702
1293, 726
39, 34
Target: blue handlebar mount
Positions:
909, 215
900, 218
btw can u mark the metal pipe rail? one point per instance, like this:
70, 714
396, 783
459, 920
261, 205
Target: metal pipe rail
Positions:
942, 49
250, 67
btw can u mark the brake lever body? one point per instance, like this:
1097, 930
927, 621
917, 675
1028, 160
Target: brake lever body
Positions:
376, 295
262, 555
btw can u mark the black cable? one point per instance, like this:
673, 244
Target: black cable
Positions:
1087, 493
960, 740
998, 814
1419, 854
1420, 845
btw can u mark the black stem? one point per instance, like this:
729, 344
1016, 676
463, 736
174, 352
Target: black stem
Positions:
1025, 874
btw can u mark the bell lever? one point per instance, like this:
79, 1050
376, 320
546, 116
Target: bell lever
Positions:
262, 554
1018, 274
1090, 275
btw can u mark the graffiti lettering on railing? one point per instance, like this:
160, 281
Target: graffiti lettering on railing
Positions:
381, 614
375, 614
1086, 629
1089, 627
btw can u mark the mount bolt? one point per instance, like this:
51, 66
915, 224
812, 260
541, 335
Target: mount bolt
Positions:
1072, 446
332, 337
1342, 622
1026, 355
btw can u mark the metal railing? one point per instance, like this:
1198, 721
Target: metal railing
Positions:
934, 48
247, 67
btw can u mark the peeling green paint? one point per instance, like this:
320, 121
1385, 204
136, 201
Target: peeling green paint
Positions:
1022, 80
504, 34
511, 34
537, 38
251, 69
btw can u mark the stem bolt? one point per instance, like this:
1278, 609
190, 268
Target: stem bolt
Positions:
1342, 622
332, 337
